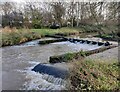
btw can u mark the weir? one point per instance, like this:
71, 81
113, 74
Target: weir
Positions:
51, 70
72, 40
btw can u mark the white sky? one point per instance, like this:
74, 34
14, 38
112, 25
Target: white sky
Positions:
19, 1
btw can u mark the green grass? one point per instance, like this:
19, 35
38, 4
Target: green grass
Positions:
55, 31
100, 75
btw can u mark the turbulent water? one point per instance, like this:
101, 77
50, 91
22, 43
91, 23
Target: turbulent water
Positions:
42, 81
19, 62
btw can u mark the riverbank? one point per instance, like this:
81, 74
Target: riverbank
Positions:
96, 72
13, 36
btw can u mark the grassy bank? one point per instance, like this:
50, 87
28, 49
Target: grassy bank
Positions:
109, 37
93, 75
80, 29
12, 36
64, 30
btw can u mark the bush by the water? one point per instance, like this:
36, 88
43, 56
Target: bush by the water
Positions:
104, 29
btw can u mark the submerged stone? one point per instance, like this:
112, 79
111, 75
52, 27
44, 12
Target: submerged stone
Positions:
93, 42
100, 43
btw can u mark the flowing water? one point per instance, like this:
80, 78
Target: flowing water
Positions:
26, 66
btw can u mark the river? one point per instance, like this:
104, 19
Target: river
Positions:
18, 63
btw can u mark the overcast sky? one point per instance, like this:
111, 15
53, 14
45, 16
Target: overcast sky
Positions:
19, 1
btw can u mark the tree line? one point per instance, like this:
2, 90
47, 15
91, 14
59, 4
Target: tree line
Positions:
44, 14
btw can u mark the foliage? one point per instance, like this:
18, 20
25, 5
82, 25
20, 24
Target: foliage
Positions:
69, 56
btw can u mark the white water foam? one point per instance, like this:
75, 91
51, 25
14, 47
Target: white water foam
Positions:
79, 46
38, 81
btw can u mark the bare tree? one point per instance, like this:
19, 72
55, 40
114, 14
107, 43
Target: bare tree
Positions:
32, 13
7, 7
58, 11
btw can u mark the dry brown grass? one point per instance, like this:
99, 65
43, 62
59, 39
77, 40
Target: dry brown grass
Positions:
13, 36
9, 30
